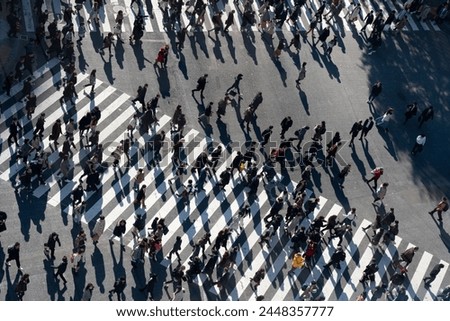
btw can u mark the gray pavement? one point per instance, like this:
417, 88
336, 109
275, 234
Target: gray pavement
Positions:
334, 90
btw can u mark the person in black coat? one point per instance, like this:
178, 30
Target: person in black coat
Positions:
150, 286
3, 217
375, 91
14, 131
211, 264
225, 178
118, 288
201, 84
356, 128
49, 247
336, 258
286, 123
119, 231
323, 36
427, 114
56, 132
176, 247
266, 135
14, 254
366, 127
22, 286
411, 110
60, 269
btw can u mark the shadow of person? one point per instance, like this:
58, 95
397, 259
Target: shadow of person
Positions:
231, 47
182, 65
163, 82
99, 268
119, 53
304, 101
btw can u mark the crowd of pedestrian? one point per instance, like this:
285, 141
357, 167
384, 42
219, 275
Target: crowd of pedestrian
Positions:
291, 215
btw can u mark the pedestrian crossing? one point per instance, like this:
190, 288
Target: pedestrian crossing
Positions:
156, 20
209, 210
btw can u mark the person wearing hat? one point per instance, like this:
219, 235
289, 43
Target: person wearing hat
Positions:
60, 269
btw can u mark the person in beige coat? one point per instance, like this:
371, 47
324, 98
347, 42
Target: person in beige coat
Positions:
98, 230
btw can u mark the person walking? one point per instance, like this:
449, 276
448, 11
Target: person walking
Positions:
330, 45
118, 231
92, 80
356, 128
369, 272
107, 43
50, 245
407, 256
433, 274
22, 286
60, 269
257, 278
235, 85
301, 75
3, 217
14, 254
336, 258
368, 20
140, 197
383, 120
175, 249
381, 193
426, 115
141, 92
286, 123
411, 111
323, 36
376, 174
118, 288
56, 132
376, 89
418, 145
217, 23
150, 286
442, 206
14, 131
229, 21
343, 174
98, 229
87, 294
266, 136
225, 178
366, 127
201, 84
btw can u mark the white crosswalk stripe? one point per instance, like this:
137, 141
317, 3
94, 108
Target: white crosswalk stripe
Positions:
190, 222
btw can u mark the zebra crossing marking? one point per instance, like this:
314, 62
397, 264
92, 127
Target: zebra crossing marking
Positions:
64, 191
283, 291
226, 214
419, 274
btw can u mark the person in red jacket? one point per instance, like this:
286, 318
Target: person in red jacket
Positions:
377, 172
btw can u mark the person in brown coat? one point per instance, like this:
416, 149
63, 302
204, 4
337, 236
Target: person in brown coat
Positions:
442, 206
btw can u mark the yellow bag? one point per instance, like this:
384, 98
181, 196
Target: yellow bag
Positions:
298, 261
